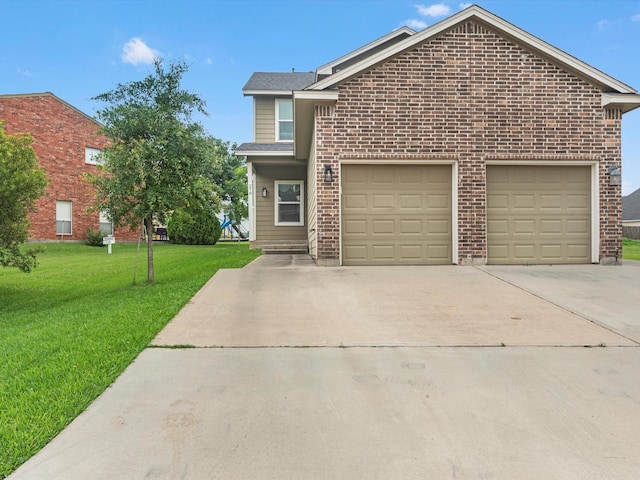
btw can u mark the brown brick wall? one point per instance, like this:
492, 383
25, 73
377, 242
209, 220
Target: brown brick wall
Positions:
60, 134
468, 94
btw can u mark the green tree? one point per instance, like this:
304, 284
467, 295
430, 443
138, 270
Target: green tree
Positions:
229, 173
158, 154
22, 182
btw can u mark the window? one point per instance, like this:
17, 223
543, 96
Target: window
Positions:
290, 202
106, 227
92, 156
63, 218
284, 120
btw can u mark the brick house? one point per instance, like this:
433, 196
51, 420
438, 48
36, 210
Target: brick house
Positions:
65, 140
470, 142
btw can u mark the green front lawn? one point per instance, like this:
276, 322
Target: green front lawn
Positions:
69, 328
630, 249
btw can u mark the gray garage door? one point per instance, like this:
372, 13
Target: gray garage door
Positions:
396, 214
538, 214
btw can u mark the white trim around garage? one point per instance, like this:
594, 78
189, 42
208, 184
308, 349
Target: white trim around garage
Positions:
382, 161
595, 192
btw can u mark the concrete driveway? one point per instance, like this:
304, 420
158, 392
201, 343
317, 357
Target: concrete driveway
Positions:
408, 379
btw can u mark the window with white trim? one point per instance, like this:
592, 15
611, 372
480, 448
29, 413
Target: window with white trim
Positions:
284, 120
92, 156
106, 227
63, 218
289, 203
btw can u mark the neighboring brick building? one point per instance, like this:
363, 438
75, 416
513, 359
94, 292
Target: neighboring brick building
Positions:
64, 140
470, 142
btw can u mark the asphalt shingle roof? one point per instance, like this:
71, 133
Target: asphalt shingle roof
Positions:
265, 147
631, 206
279, 81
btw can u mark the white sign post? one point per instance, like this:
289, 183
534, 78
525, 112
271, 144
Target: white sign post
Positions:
108, 241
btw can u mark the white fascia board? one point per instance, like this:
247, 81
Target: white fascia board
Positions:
320, 95
278, 93
627, 101
262, 153
327, 68
509, 30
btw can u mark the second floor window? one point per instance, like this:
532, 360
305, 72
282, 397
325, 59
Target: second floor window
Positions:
92, 156
284, 120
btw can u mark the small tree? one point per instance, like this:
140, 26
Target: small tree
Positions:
229, 173
157, 154
22, 182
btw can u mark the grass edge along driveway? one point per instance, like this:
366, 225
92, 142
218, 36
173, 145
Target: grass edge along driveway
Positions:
72, 326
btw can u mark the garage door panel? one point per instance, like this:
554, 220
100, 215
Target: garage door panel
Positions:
438, 227
498, 227
383, 252
523, 252
382, 227
524, 202
356, 252
404, 219
524, 226
579, 202
411, 227
435, 202
357, 202
551, 227
410, 202
578, 226
411, 252
499, 252
498, 202
538, 214
355, 227
381, 201
577, 252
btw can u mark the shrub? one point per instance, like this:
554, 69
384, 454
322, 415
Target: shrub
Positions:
194, 226
94, 237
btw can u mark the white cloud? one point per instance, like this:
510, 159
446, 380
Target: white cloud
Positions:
25, 73
415, 24
603, 24
208, 61
635, 18
435, 10
135, 51
464, 5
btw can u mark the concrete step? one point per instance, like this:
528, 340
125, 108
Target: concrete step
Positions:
284, 247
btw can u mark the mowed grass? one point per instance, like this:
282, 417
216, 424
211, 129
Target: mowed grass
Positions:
630, 249
69, 328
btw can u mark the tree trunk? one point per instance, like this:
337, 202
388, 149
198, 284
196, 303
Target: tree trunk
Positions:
148, 223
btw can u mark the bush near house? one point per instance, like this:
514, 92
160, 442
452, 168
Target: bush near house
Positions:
194, 226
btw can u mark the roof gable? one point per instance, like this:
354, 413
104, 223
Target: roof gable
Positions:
495, 23
355, 56
631, 206
54, 97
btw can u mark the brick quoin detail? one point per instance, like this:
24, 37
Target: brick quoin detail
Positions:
60, 135
468, 94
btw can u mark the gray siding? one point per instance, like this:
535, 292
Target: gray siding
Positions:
265, 119
312, 211
266, 175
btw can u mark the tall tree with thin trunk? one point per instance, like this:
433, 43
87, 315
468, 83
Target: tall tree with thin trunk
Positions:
158, 153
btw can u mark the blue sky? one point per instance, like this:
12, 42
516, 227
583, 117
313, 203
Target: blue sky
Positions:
79, 49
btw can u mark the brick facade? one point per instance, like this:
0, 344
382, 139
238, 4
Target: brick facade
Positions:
60, 135
471, 96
